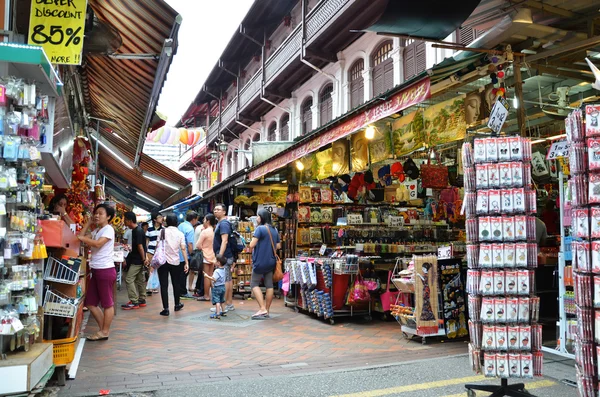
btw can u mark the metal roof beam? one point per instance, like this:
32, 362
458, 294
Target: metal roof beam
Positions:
246, 35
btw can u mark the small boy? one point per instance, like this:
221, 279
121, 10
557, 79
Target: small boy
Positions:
218, 287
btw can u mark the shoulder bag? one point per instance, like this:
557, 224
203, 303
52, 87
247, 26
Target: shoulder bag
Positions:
278, 272
434, 176
160, 256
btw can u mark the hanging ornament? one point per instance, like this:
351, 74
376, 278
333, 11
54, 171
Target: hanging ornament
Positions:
495, 59
500, 75
496, 85
500, 67
165, 136
174, 139
196, 137
158, 135
494, 78
183, 137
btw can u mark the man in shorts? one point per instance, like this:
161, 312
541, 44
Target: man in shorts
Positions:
221, 246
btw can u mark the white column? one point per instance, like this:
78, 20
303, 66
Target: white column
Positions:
293, 105
316, 115
368, 79
340, 89
398, 61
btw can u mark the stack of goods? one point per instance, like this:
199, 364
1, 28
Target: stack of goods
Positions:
405, 315
502, 258
584, 185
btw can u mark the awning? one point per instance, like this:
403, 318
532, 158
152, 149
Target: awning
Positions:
228, 183
31, 63
178, 196
431, 19
126, 195
185, 204
123, 87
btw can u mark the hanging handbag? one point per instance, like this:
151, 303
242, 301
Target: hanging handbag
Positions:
160, 257
278, 271
196, 260
434, 176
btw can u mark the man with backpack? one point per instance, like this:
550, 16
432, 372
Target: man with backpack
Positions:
222, 245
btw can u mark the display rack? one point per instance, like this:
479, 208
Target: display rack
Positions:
502, 258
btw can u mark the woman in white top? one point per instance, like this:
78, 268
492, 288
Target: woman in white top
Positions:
174, 243
103, 274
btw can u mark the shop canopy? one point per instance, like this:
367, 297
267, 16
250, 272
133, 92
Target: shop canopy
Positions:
122, 90
228, 183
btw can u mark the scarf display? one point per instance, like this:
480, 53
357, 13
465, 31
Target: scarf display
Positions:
426, 294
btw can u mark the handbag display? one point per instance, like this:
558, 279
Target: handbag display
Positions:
160, 257
278, 271
434, 176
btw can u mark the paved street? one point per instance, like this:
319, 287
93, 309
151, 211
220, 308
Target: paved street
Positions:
179, 354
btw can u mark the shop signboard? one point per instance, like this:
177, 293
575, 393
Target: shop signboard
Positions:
58, 27
214, 178
262, 151
410, 96
558, 150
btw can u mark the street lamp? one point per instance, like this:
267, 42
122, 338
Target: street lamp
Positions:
214, 155
223, 146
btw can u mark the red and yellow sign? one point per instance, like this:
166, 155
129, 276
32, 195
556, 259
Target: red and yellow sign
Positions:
408, 97
58, 27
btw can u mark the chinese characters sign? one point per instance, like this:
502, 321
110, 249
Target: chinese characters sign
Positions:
58, 26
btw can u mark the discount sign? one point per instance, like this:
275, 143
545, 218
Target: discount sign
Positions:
57, 26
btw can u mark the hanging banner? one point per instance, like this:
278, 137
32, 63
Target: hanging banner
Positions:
58, 26
406, 98
214, 178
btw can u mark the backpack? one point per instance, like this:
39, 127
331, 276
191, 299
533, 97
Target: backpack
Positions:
238, 243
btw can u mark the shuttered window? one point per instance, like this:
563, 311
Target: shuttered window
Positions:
326, 104
272, 135
284, 128
307, 116
415, 60
357, 84
383, 68
467, 35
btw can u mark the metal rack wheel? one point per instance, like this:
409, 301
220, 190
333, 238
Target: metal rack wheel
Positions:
407, 336
331, 321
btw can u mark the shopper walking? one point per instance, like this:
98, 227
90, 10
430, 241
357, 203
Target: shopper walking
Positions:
104, 274
264, 243
151, 238
187, 228
175, 248
205, 245
221, 246
136, 263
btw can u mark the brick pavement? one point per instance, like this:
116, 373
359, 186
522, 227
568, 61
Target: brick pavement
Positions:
148, 352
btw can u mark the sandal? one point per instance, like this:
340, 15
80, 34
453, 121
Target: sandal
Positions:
260, 316
96, 338
215, 316
202, 299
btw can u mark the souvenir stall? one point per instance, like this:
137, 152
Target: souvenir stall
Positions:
29, 97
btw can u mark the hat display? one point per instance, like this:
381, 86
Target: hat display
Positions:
410, 169
397, 170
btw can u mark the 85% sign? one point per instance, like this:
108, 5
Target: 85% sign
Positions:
55, 35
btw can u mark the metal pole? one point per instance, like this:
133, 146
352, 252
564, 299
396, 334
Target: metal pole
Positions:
97, 140
519, 94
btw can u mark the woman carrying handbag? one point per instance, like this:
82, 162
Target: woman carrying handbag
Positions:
264, 244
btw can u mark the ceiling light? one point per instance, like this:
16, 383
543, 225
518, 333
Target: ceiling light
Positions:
119, 136
160, 182
147, 198
300, 165
553, 138
114, 154
538, 141
370, 132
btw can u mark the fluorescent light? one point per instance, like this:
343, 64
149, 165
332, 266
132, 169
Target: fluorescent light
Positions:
538, 141
300, 165
148, 198
119, 136
552, 138
515, 102
114, 154
160, 182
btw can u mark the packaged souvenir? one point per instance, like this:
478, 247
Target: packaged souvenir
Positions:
581, 219
581, 256
487, 311
489, 365
585, 323
487, 280
303, 213
597, 292
511, 282
507, 201
513, 336
472, 226
481, 176
531, 201
592, 125
494, 206
535, 308
485, 255
520, 228
519, 200
526, 366
524, 306
509, 254
493, 175
483, 202
326, 195
503, 149
473, 255
479, 154
491, 149
497, 256
525, 337
485, 233
516, 148
595, 222
594, 189
502, 365
512, 310
524, 281
514, 365
474, 307
305, 194
593, 145
505, 175
496, 227
521, 255
595, 253
473, 282
500, 309
489, 338
508, 228
517, 174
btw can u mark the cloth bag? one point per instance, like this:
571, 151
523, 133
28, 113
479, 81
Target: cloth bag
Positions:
358, 293
196, 260
278, 271
160, 257
434, 176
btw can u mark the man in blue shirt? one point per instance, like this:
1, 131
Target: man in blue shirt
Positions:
221, 247
187, 228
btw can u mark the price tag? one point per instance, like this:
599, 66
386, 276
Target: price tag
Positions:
558, 150
498, 115
323, 249
355, 219
445, 252
396, 221
271, 207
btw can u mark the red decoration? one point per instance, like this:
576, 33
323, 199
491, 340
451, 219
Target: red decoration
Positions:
234, 83
256, 58
243, 74
268, 44
500, 75
287, 21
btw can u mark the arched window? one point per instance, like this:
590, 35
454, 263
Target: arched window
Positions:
326, 104
272, 133
248, 144
357, 84
307, 124
284, 128
414, 58
383, 68
256, 137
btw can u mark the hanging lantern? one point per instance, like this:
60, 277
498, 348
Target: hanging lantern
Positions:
196, 137
175, 134
183, 137
159, 133
214, 155
223, 146
165, 136
190, 138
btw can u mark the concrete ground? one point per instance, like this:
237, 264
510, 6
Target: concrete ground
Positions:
289, 355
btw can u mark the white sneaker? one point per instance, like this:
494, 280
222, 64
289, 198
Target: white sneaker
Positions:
229, 308
214, 309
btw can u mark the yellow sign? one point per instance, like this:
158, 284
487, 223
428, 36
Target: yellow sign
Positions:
57, 26
214, 178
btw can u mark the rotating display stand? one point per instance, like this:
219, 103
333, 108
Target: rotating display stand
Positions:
502, 258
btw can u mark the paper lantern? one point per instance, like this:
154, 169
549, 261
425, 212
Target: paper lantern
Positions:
166, 135
158, 135
175, 134
183, 138
196, 137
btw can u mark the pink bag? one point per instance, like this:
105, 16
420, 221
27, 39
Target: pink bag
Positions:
359, 293
285, 283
